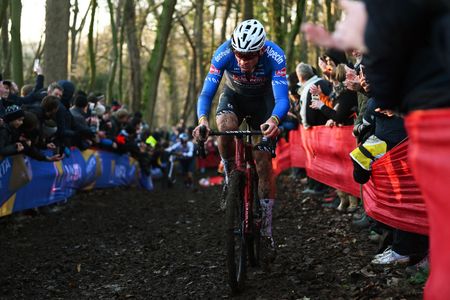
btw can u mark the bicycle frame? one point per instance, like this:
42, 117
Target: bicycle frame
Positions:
245, 163
242, 221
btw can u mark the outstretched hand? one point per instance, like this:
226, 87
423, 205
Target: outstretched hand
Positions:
349, 33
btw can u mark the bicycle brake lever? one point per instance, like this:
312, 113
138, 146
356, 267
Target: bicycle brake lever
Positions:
201, 144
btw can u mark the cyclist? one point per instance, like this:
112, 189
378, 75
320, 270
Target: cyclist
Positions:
184, 153
256, 86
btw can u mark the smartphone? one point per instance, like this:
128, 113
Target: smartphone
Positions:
361, 70
36, 64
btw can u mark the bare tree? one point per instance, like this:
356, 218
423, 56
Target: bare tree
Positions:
133, 54
198, 29
4, 19
91, 46
247, 9
154, 66
16, 42
114, 51
75, 35
292, 35
56, 36
171, 70
275, 21
192, 80
224, 20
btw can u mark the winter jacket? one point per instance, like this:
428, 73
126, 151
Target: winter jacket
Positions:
404, 67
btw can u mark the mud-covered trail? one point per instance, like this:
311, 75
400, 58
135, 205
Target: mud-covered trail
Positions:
132, 244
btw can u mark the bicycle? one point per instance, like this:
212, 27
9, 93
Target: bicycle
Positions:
243, 211
169, 176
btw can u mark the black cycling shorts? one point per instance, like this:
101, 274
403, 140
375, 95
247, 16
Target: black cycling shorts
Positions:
259, 108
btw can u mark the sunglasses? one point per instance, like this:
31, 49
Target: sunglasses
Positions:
246, 55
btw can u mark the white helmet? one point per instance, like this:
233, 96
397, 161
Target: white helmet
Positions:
249, 36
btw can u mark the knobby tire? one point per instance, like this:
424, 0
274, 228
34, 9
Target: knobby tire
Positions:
235, 243
253, 240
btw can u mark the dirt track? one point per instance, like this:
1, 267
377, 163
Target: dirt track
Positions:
132, 244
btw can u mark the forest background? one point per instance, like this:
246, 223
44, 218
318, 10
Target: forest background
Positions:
151, 55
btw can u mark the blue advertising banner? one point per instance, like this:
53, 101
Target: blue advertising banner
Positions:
14, 174
117, 170
27, 183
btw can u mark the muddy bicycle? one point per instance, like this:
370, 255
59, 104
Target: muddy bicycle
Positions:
243, 210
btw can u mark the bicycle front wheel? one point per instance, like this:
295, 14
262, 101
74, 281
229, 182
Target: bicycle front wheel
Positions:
253, 239
235, 235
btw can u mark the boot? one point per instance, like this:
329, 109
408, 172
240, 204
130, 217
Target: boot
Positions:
364, 222
268, 252
353, 204
344, 201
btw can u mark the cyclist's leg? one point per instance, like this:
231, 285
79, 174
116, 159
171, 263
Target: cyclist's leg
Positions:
227, 118
266, 184
190, 172
266, 189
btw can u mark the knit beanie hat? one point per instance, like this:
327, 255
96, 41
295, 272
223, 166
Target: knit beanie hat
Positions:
69, 90
12, 113
338, 57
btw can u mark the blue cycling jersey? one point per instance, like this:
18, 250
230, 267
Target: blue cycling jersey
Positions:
269, 75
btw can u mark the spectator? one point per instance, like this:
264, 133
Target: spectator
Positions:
9, 132
307, 78
345, 101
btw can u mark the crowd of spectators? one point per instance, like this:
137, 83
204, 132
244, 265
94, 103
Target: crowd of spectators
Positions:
337, 95
45, 123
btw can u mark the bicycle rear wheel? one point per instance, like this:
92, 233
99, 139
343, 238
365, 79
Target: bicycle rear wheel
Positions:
235, 235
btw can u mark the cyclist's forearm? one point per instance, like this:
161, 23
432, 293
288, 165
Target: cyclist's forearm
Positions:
204, 105
281, 108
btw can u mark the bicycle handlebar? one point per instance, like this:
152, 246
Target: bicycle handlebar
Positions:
202, 130
236, 132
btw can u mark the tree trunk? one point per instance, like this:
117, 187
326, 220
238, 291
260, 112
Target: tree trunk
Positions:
6, 57
121, 42
313, 60
275, 21
198, 29
16, 42
133, 54
56, 36
154, 66
247, 9
74, 34
172, 85
114, 51
300, 12
91, 46
329, 15
192, 80
214, 16
224, 21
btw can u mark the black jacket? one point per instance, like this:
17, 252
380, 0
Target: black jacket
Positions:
404, 67
9, 136
344, 113
389, 129
313, 116
33, 97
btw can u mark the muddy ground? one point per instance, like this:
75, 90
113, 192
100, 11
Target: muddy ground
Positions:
132, 244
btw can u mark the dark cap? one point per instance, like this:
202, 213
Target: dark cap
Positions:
338, 57
13, 112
